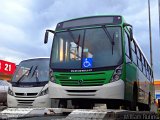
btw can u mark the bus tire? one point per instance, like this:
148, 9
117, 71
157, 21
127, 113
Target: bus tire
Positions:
135, 97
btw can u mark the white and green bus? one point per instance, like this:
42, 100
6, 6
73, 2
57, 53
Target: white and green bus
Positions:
96, 60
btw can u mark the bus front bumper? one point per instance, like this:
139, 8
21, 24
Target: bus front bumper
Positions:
40, 101
113, 90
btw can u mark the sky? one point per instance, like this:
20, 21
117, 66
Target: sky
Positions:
23, 24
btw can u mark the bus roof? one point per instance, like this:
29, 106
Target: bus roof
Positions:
36, 58
91, 17
90, 21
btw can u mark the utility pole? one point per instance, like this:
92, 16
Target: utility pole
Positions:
159, 15
150, 35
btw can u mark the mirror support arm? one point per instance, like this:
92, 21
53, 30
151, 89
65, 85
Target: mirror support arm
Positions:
52, 31
130, 30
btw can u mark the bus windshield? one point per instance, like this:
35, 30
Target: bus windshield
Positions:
32, 71
87, 48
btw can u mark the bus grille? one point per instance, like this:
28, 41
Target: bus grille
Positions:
96, 79
25, 94
25, 102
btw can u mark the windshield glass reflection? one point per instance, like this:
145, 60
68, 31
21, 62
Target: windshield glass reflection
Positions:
33, 70
87, 48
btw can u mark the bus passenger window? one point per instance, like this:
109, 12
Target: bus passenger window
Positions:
139, 59
134, 56
127, 44
127, 48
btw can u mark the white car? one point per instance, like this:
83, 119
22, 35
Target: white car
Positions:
3, 91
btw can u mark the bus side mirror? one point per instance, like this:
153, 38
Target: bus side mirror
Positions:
46, 35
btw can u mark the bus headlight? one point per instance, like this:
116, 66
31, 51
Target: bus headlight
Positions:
44, 92
117, 74
52, 79
116, 77
10, 92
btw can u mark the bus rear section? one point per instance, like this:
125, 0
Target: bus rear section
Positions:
29, 85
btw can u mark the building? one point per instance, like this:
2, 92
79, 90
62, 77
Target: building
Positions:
157, 91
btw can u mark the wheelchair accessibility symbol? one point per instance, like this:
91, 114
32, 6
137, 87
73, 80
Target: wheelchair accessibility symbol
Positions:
87, 63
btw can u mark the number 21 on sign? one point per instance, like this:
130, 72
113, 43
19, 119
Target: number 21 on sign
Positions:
7, 67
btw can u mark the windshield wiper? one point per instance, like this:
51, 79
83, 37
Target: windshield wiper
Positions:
76, 42
21, 78
79, 37
71, 34
109, 36
37, 79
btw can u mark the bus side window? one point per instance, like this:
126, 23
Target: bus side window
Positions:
127, 48
148, 74
152, 77
139, 59
143, 64
133, 49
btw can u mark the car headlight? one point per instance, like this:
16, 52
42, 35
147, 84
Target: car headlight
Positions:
117, 74
10, 92
44, 92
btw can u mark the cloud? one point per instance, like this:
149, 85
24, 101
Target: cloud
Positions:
11, 55
15, 13
9, 32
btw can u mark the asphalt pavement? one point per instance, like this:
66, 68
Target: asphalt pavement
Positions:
19, 115
2, 107
45, 118
76, 114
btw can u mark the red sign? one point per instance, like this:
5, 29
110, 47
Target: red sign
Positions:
7, 67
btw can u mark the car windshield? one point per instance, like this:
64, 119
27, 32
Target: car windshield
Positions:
32, 70
87, 48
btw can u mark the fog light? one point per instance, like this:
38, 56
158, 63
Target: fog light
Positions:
116, 77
